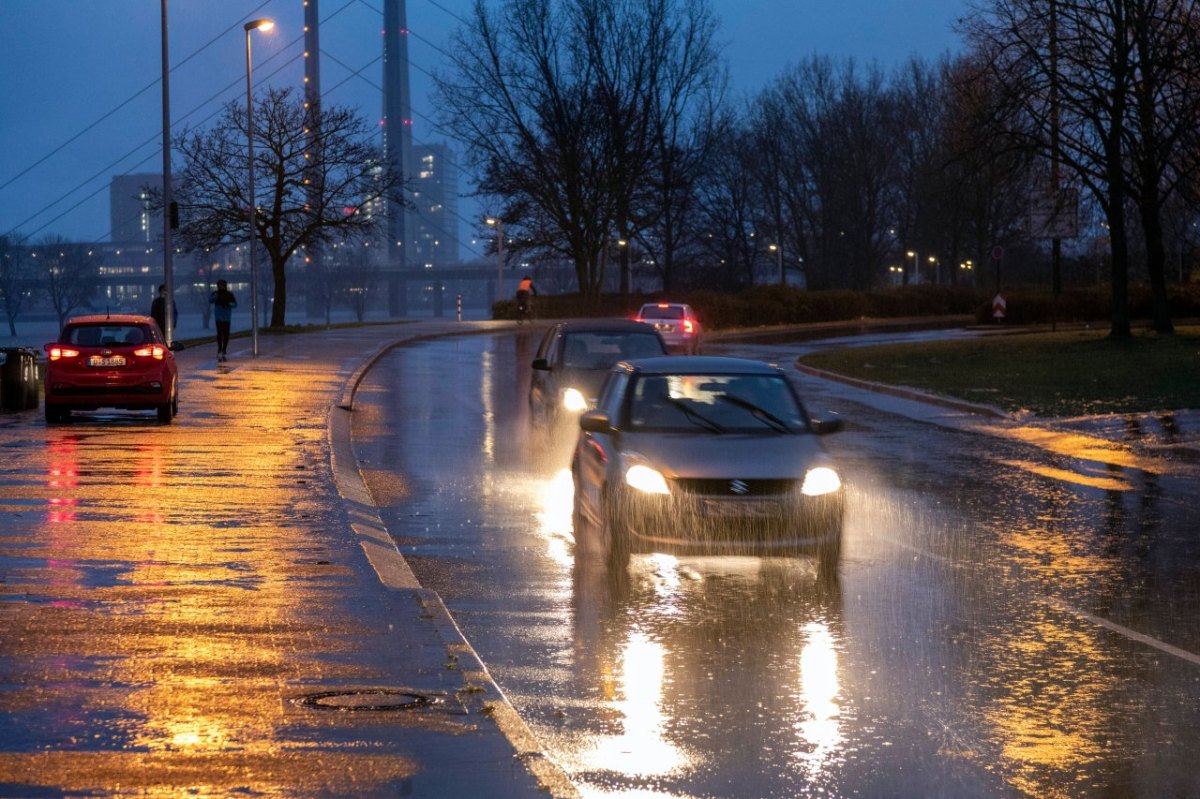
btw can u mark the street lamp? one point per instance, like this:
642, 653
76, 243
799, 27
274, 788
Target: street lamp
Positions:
916, 265
933, 262
775, 248
499, 224
252, 211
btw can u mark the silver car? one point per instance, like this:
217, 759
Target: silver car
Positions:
676, 322
705, 455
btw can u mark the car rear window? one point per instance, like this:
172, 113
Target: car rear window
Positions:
601, 350
106, 335
656, 312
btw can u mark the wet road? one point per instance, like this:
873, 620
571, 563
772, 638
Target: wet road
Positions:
1018, 613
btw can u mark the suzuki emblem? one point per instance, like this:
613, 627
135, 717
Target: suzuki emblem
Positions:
739, 487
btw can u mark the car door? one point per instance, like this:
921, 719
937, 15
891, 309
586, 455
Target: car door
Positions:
541, 388
596, 451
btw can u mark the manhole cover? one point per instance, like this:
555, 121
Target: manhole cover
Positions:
371, 699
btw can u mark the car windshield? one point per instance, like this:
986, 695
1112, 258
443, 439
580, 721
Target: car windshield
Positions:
106, 335
715, 403
658, 312
599, 350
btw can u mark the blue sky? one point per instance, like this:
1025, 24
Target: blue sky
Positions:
71, 70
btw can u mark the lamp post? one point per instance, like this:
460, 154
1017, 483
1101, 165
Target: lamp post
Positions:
252, 211
936, 266
168, 198
499, 224
916, 265
778, 250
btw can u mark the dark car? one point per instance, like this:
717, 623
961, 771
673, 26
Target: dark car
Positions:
574, 358
111, 361
705, 455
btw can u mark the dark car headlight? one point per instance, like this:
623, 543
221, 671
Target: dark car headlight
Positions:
574, 401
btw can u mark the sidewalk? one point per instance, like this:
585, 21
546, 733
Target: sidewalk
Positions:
187, 609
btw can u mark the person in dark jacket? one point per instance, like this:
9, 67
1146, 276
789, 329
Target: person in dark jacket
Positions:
158, 310
223, 303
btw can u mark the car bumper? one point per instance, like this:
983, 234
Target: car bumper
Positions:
752, 525
142, 395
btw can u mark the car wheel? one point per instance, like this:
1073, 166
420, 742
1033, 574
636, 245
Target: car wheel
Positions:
829, 556
614, 537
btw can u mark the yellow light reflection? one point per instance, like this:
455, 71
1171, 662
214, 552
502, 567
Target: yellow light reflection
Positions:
487, 370
1081, 446
556, 501
1068, 476
642, 749
819, 730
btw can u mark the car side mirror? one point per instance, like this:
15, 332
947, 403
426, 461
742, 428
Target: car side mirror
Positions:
826, 426
541, 364
595, 422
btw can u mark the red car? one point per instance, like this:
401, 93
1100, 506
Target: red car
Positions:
113, 361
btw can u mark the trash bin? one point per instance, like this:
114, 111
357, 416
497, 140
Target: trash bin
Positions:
18, 378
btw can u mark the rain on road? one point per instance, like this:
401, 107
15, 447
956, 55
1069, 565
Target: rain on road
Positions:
1017, 614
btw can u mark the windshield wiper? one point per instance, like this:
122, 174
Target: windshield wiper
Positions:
762, 414
696, 418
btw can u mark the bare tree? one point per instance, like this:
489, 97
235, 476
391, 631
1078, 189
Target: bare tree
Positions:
69, 274
16, 278
317, 168
1109, 92
566, 105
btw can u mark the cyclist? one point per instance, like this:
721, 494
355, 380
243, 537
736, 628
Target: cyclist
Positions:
525, 294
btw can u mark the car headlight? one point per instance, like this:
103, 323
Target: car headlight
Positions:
821, 480
646, 480
574, 401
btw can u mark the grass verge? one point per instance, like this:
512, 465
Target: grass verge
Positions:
1061, 374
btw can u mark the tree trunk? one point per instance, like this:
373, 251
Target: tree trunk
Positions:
279, 306
1156, 265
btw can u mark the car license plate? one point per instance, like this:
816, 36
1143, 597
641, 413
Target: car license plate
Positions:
101, 361
741, 509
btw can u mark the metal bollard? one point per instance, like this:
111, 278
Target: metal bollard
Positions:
458, 303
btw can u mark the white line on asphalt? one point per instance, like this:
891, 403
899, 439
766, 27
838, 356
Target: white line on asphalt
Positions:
1134, 635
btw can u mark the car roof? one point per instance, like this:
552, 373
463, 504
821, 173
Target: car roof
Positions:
607, 326
111, 319
698, 364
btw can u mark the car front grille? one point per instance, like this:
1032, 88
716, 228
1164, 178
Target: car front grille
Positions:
732, 487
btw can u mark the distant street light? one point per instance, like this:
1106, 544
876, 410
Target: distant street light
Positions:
933, 261
778, 250
916, 265
499, 225
252, 211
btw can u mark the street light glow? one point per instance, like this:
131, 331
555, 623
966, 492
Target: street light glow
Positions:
259, 25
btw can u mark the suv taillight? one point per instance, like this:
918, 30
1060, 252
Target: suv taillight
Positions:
155, 351
688, 327
57, 353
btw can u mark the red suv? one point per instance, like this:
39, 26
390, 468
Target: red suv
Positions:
115, 361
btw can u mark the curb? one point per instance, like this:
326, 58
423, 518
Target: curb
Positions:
479, 693
904, 392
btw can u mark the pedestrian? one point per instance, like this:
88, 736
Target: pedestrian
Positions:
999, 308
158, 310
223, 303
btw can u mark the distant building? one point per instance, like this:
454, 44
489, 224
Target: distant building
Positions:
130, 216
433, 223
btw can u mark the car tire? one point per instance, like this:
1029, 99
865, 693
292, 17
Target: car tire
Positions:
614, 537
829, 557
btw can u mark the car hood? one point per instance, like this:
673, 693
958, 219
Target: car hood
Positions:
748, 456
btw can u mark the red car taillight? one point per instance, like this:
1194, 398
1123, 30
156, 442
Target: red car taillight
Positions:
688, 326
155, 351
57, 353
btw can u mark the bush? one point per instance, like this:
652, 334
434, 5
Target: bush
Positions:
785, 305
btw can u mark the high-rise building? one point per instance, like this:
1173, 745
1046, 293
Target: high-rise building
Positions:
129, 208
433, 222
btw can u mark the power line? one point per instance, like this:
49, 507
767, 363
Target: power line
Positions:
121, 105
